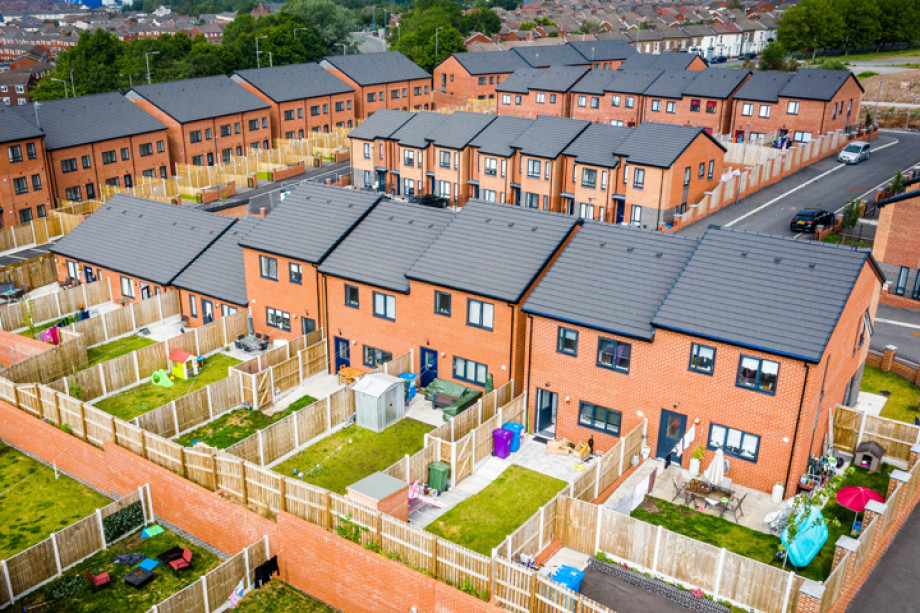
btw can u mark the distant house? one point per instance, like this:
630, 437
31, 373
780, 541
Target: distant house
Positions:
897, 249
24, 192
387, 80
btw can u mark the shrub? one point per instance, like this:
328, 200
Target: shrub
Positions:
866, 74
121, 522
348, 529
67, 587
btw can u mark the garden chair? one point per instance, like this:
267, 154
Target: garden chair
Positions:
680, 489
734, 507
265, 342
100, 580
183, 563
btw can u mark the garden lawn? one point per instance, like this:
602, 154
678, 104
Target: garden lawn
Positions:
483, 521
38, 328
119, 596
232, 427
754, 544
277, 597
33, 504
116, 349
147, 396
349, 455
902, 403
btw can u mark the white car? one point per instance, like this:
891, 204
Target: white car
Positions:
854, 153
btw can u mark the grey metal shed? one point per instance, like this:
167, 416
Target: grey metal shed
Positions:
379, 401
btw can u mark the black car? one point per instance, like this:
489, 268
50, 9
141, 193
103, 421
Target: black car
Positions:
807, 220
429, 200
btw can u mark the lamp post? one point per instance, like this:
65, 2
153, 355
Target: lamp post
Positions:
61, 81
73, 89
258, 53
147, 59
270, 65
344, 47
877, 96
296, 30
740, 170
436, 43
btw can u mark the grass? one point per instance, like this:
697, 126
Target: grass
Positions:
484, 520
238, 424
33, 504
37, 329
902, 403
147, 396
836, 239
866, 74
116, 349
754, 544
277, 597
353, 453
119, 596
881, 55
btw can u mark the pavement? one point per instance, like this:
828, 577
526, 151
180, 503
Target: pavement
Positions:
367, 43
898, 327
14, 257
892, 587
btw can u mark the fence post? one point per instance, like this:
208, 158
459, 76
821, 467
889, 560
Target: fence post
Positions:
57, 300
719, 568
105, 389
210, 404
597, 479
6, 577
84, 294
153, 516
101, 528
105, 328
597, 530
328, 413
862, 428
175, 416
261, 450
296, 416
243, 482
160, 305
452, 436
204, 589
133, 319
57, 553
434, 558
657, 547
622, 454
137, 368
408, 473
788, 593
140, 494
542, 522
197, 346
247, 583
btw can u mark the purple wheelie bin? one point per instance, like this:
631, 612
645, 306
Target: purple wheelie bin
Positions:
501, 442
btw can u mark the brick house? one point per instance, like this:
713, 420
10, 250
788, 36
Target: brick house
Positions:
612, 344
24, 189
803, 104
608, 54
207, 119
386, 80
475, 75
729, 39
85, 153
531, 92
214, 284
304, 98
138, 246
897, 250
493, 174
15, 85
374, 152
612, 96
282, 279
698, 98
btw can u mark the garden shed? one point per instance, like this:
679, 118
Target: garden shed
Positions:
379, 401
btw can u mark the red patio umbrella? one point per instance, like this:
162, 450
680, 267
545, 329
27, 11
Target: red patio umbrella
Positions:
856, 498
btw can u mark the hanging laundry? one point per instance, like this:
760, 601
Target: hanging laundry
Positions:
264, 572
237, 594
689, 437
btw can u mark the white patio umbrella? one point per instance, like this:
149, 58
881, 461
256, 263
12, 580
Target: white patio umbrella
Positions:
716, 470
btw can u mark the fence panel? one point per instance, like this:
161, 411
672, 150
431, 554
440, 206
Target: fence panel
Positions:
79, 540
688, 560
343, 507
263, 488
414, 547
224, 579
512, 585
230, 476
314, 359
459, 565
199, 467
627, 538
306, 501
278, 439
211, 338
193, 409
118, 323
100, 426
580, 525
164, 452
342, 405
834, 584
129, 436
757, 585
551, 597
119, 373
188, 600
32, 567
247, 449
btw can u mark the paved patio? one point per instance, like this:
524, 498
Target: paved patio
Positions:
872, 404
164, 329
319, 386
422, 410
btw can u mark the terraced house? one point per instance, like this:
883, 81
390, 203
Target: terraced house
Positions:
24, 190
387, 80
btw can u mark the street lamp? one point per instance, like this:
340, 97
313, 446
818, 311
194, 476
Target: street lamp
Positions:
61, 81
147, 59
258, 53
130, 78
270, 65
740, 170
344, 47
877, 96
436, 43
296, 30
73, 89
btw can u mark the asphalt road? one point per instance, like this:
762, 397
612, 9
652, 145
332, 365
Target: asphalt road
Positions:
825, 184
368, 43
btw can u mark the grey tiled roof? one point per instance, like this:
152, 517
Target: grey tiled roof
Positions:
715, 82
497, 137
670, 84
630, 273
596, 145
552, 79
311, 221
492, 250
764, 86
804, 84
620, 81
547, 136
414, 132
410, 226
69, 122
490, 62
659, 144
381, 124
143, 238
218, 272
204, 98
460, 128
603, 50
374, 68
294, 82
17, 124
541, 56
669, 60
747, 289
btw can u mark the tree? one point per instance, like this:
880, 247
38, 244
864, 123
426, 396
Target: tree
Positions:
773, 57
861, 21
482, 20
527, 25
93, 61
333, 23
899, 21
419, 32
810, 24
803, 505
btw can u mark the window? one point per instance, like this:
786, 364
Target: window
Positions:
126, 154
394, 95
86, 161
758, 374
603, 179
567, 341
193, 306
588, 177
490, 166
710, 169
149, 173
289, 115
25, 215
69, 165
145, 149
614, 101
902, 281
582, 101
517, 100
225, 130
253, 124
702, 358
30, 151
194, 136
15, 153
278, 319
470, 371
733, 442
109, 157
36, 182
408, 157
339, 107
670, 107
127, 288
40, 211
416, 91
613, 354
792, 107
74, 194
639, 178
552, 98
595, 102
237, 128
599, 418
801, 137
506, 98
764, 111
268, 267
161, 146
371, 97
374, 357
702, 171
197, 160
367, 151
531, 201
630, 102
295, 274
445, 159
533, 169
489, 195
695, 105
541, 98
656, 105
442, 303
351, 296
20, 185
747, 109
504, 164
384, 306
479, 314
710, 106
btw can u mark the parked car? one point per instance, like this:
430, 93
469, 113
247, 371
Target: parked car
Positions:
429, 200
747, 56
719, 59
808, 220
855, 152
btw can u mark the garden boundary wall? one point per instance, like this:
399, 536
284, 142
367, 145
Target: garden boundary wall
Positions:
852, 427
47, 560
267, 377
54, 306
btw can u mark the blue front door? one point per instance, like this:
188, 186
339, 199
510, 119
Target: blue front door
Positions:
88, 274
428, 362
670, 431
342, 353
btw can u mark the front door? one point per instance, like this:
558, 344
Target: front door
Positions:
207, 311
428, 362
621, 208
88, 274
546, 411
342, 353
145, 291
381, 180
670, 432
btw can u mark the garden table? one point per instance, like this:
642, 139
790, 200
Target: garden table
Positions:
139, 577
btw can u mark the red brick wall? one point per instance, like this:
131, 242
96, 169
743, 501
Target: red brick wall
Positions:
197, 320
112, 277
896, 237
15, 347
461, 83
13, 203
607, 112
530, 108
306, 121
299, 300
407, 100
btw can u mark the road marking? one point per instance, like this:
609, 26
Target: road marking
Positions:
797, 188
897, 323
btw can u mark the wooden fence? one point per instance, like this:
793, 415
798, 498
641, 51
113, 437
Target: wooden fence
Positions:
210, 592
54, 306
852, 427
269, 376
46, 561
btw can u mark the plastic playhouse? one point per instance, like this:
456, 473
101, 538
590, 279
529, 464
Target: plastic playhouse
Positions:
183, 364
811, 536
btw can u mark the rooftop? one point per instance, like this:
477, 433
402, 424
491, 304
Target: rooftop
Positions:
490, 62
497, 137
293, 82
547, 136
552, 79
375, 68
16, 124
381, 124
804, 84
660, 144
69, 122
194, 99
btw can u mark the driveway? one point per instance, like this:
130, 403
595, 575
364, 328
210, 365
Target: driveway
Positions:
898, 327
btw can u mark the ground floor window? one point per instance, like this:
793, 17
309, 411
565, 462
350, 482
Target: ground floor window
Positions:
127, 288
599, 418
734, 442
374, 357
278, 319
470, 371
